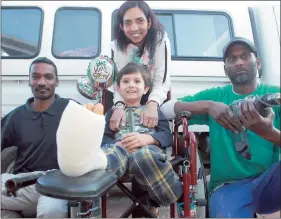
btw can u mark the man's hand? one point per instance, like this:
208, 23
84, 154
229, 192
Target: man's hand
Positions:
223, 114
149, 117
252, 120
133, 141
262, 126
118, 117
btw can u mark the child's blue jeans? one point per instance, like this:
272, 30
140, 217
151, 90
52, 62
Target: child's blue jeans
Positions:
242, 199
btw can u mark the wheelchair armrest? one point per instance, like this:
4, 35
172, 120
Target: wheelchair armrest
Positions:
179, 119
14, 184
186, 114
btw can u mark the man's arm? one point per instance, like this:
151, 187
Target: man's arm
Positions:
7, 134
262, 126
173, 108
272, 136
219, 111
196, 107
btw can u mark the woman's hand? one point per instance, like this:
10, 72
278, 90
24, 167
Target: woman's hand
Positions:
149, 117
118, 117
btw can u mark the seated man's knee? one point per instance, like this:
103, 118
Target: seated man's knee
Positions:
10, 214
230, 204
51, 208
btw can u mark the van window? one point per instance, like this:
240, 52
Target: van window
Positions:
77, 33
277, 17
167, 21
195, 34
21, 30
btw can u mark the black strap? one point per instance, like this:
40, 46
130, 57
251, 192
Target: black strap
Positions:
165, 74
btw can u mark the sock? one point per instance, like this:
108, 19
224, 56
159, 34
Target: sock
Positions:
79, 138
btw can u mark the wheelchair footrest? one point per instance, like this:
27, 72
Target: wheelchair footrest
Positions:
87, 187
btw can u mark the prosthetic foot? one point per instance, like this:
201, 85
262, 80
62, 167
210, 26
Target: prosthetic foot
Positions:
79, 138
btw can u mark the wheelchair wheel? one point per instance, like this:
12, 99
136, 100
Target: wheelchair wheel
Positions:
201, 190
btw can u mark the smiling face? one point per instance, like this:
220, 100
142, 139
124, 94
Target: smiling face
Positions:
135, 25
241, 64
132, 88
43, 80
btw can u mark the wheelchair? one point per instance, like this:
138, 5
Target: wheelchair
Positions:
86, 194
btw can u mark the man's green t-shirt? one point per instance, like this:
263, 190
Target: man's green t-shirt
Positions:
226, 164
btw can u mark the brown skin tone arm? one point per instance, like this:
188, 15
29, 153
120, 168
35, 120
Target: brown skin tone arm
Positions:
219, 111
197, 107
272, 136
248, 116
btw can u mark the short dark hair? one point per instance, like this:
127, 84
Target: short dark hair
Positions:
154, 33
131, 68
46, 61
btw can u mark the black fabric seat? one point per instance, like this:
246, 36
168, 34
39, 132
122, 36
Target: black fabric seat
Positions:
87, 187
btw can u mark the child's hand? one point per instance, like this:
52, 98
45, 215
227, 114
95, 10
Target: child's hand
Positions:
134, 140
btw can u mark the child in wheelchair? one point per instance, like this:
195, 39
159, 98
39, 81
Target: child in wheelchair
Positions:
133, 148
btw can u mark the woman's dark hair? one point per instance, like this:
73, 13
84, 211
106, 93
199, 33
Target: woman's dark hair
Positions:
131, 68
154, 33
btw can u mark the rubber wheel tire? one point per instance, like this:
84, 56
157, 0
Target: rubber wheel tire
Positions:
8, 157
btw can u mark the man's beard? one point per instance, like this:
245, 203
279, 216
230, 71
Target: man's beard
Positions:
242, 78
38, 96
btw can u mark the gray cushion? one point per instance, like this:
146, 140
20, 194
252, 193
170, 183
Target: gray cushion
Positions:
89, 186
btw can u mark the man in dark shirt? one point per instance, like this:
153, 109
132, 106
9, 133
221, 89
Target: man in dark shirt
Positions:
32, 129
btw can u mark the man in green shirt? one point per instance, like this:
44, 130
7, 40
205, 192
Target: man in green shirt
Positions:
238, 184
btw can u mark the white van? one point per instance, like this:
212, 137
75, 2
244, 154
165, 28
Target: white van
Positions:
71, 33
